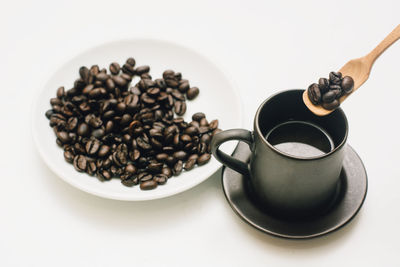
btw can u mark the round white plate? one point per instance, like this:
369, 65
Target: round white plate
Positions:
218, 99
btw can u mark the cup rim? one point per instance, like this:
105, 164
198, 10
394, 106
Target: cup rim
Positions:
258, 130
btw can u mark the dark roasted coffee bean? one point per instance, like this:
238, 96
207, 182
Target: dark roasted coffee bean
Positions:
170, 161
314, 93
155, 167
323, 84
193, 156
168, 74
192, 93
84, 73
55, 101
190, 164
94, 70
131, 169
172, 82
126, 77
102, 77
335, 77
128, 69
160, 179
166, 171
143, 143
80, 163
180, 108
134, 155
109, 114
180, 155
119, 81
60, 92
131, 61
347, 84
125, 120
98, 133
332, 105
92, 146
142, 69
148, 185
202, 148
91, 167
176, 94
328, 97
178, 76
130, 182
205, 138
104, 175
198, 116
144, 176
49, 113
110, 84
69, 156
95, 122
185, 138
160, 83
119, 158
162, 157
203, 159
63, 137
109, 127
203, 122
178, 167
114, 68
191, 130
104, 151
213, 124
183, 87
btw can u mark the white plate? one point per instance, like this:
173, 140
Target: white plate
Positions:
218, 99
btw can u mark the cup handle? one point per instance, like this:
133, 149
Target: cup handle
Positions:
229, 161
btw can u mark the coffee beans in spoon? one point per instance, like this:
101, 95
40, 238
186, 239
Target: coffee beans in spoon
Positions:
111, 128
328, 91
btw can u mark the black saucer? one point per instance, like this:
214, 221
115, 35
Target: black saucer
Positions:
350, 197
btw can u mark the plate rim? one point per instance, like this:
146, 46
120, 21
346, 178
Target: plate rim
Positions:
42, 88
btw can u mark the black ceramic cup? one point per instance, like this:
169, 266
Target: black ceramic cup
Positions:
290, 185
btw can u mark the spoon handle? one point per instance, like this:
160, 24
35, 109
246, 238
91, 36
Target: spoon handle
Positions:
382, 46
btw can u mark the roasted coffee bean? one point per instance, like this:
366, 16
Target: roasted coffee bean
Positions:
168, 74
128, 69
84, 73
125, 120
68, 156
60, 92
126, 77
192, 93
131, 61
185, 138
191, 130
172, 82
215, 132
323, 84
332, 105
314, 93
104, 175
205, 138
167, 171
335, 77
55, 101
119, 81
98, 133
198, 116
170, 161
92, 146
95, 122
130, 182
176, 94
148, 185
63, 137
183, 87
203, 122
328, 97
94, 70
72, 123
91, 168
160, 178
101, 77
203, 159
109, 114
80, 163
104, 150
119, 158
155, 167
109, 127
190, 164
213, 124
180, 108
347, 84
142, 69
180, 155
49, 113
193, 156
114, 68
202, 148
134, 155
178, 167
144, 176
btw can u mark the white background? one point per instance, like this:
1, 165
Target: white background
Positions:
268, 46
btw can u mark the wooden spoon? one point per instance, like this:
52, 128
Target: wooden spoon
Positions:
358, 69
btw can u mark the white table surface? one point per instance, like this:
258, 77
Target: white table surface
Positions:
267, 46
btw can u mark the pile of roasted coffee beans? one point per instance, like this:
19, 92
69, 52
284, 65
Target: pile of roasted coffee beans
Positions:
108, 128
327, 92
